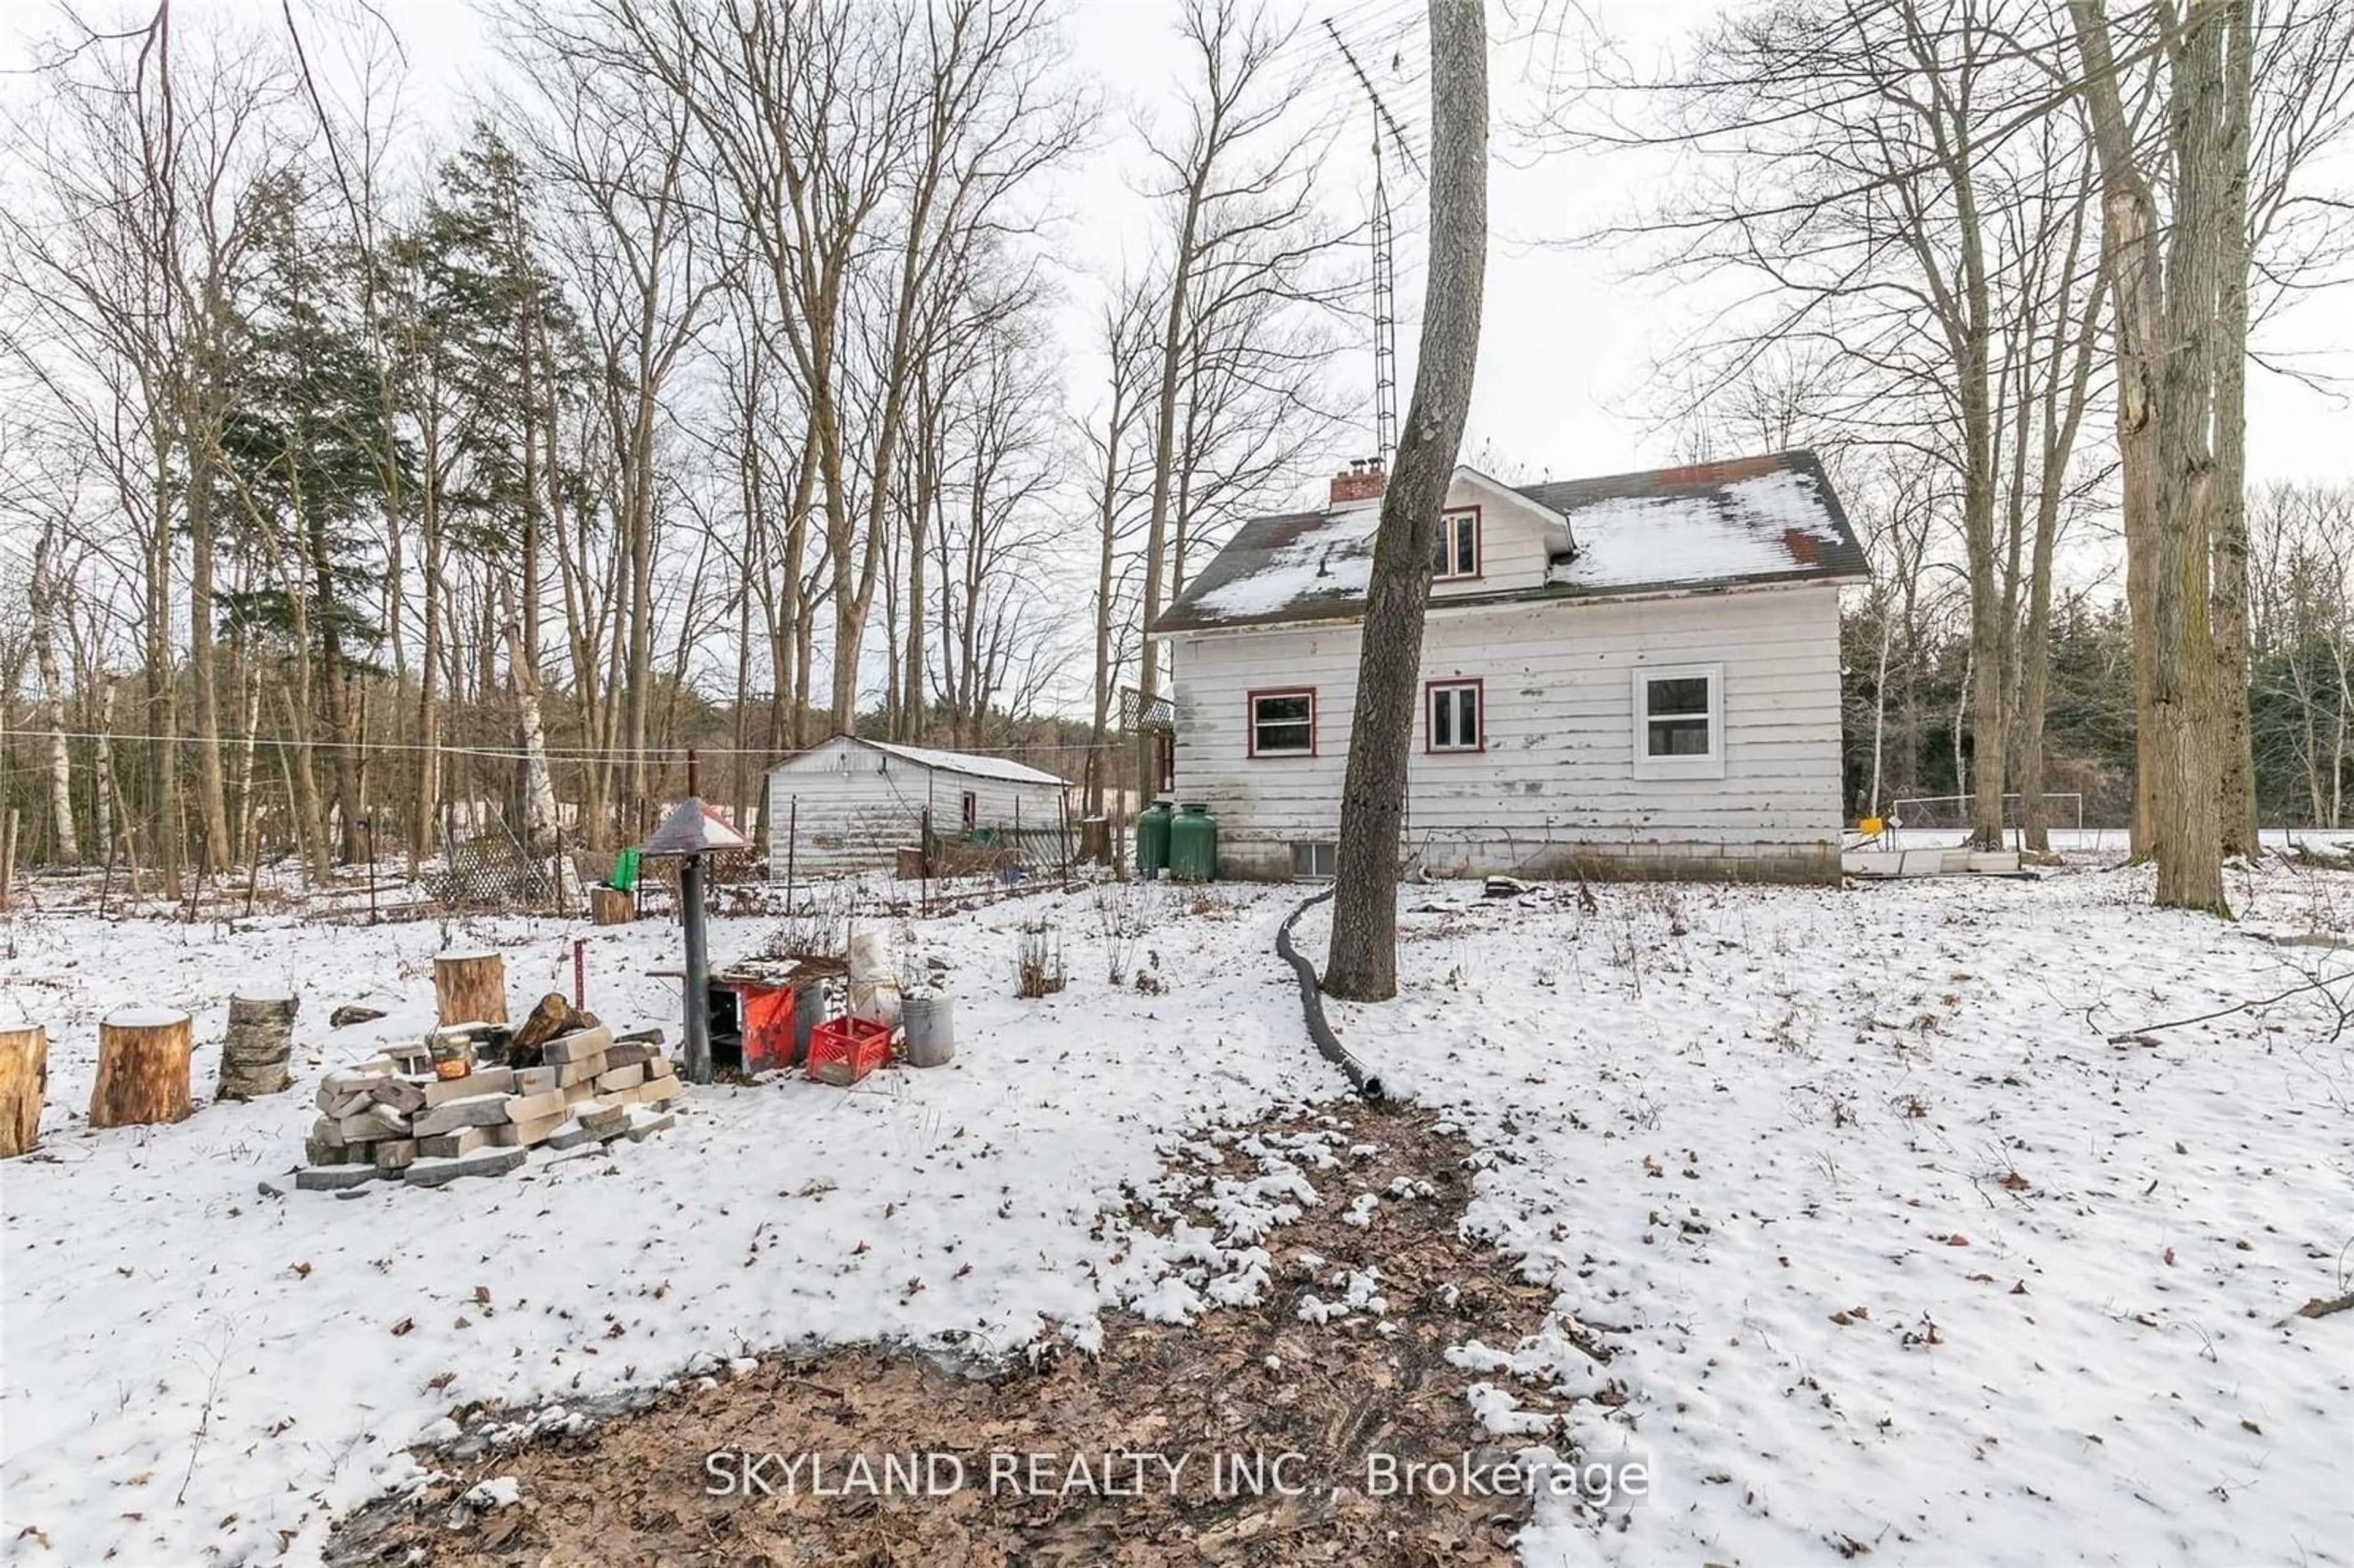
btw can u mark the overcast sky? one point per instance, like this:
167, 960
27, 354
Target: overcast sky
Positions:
1569, 343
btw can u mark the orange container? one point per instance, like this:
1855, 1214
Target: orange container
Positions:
766, 1012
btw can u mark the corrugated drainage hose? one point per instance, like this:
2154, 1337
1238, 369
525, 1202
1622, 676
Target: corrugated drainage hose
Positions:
1311, 1002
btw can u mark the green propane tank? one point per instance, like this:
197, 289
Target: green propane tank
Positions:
1153, 839
1193, 843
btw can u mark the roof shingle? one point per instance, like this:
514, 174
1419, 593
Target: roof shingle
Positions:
1751, 520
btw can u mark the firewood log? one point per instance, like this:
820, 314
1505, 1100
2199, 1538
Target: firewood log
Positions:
471, 988
23, 1078
551, 1016
142, 1067
254, 1051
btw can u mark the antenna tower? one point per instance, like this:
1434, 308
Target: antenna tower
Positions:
1385, 257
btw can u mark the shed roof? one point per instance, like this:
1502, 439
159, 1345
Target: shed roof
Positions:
1756, 520
1002, 768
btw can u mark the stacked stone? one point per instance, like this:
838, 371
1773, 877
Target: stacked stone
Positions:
391, 1118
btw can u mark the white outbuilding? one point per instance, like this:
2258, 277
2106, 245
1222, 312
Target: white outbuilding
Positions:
849, 803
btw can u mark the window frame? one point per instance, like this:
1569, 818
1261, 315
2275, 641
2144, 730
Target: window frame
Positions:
1251, 700
1708, 765
1475, 685
969, 810
1447, 518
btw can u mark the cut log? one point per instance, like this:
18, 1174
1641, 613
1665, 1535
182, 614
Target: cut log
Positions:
471, 988
552, 1015
254, 1052
142, 1067
612, 905
23, 1078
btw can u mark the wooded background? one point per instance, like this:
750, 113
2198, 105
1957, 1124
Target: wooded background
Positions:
724, 383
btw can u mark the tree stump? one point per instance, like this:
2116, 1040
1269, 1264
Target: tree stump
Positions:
612, 905
23, 1078
254, 1052
142, 1067
471, 988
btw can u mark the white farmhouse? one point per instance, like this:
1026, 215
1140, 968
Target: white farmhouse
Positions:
848, 803
1634, 675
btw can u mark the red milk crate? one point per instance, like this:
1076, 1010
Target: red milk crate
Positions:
843, 1050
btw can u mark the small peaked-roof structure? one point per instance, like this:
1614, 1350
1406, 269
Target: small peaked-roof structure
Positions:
1747, 521
693, 827
1004, 769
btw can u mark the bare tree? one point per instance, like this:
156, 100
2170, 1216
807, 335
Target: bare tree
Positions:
1362, 961
2166, 285
1235, 176
1124, 334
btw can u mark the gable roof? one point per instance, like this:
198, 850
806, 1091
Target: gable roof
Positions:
1000, 768
1757, 520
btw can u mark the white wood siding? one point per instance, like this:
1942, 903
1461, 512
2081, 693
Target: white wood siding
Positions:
851, 808
1558, 700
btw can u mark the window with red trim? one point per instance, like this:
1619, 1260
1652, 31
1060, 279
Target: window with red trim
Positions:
1283, 723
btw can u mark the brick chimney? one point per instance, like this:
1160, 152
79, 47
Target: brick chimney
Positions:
1362, 480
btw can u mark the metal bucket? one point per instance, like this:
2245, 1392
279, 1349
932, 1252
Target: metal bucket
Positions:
809, 1010
929, 1026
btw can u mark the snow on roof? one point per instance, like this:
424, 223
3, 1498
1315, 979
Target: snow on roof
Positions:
1310, 558
965, 762
1761, 519
1754, 519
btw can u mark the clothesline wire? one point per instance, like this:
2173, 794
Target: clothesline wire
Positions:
518, 753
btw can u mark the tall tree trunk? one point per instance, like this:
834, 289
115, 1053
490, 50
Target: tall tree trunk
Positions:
211, 787
46, 597
2233, 736
335, 697
429, 662
2074, 341
1164, 450
919, 523
1362, 962
106, 814
538, 786
2189, 859
163, 694
2129, 251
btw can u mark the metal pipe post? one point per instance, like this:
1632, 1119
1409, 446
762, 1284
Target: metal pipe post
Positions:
698, 972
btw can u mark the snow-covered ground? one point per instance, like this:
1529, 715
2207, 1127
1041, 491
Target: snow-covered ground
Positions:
1897, 1250
1711, 1118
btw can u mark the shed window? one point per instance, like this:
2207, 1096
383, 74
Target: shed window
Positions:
1452, 710
1680, 722
1283, 723
969, 810
1456, 553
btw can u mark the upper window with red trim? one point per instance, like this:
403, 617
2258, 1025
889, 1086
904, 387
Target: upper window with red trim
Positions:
1283, 723
1456, 553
